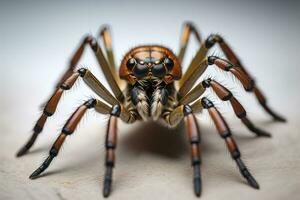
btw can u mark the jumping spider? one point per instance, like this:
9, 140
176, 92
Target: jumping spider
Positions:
155, 90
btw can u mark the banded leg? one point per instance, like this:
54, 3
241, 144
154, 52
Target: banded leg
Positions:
225, 133
188, 29
51, 105
194, 139
110, 145
49, 110
68, 129
247, 82
225, 95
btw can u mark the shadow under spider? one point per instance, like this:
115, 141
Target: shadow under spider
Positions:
153, 138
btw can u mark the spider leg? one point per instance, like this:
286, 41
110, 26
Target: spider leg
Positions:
186, 113
196, 70
105, 35
51, 105
225, 133
225, 95
231, 56
110, 145
107, 70
188, 29
247, 81
194, 139
68, 129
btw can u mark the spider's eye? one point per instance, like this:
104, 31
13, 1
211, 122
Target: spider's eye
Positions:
131, 63
169, 63
140, 70
159, 70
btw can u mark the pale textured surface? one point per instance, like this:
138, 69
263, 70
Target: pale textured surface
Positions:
152, 163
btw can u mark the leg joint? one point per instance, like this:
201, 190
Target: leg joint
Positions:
90, 103
206, 83
195, 140
206, 103
82, 71
116, 110
110, 145
235, 154
211, 59
37, 128
226, 134
196, 160
64, 86
67, 131
212, 39
53, 152
251, 87
48, 114
187, 110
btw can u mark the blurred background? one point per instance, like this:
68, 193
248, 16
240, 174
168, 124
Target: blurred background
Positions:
37, 38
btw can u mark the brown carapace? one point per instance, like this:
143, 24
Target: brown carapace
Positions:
154, 89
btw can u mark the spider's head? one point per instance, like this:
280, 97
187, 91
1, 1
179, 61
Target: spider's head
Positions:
150, 62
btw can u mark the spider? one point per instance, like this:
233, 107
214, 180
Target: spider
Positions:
155, 90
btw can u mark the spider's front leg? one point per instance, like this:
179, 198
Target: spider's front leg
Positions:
194, 139
110, 145
225, 133
173, 118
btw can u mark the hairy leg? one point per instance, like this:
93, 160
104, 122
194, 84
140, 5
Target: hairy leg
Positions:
51, 105
225, 133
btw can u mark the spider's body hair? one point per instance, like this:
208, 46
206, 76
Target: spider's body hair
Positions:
142, 105
156, 105
151, 99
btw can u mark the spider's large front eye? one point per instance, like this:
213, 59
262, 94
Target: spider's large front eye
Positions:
131, 63
159, 70
169, 63
140, 70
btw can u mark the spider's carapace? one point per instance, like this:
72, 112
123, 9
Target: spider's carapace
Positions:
147, 62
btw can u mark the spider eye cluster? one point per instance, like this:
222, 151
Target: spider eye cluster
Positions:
169, 63
131, 63
141, 69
